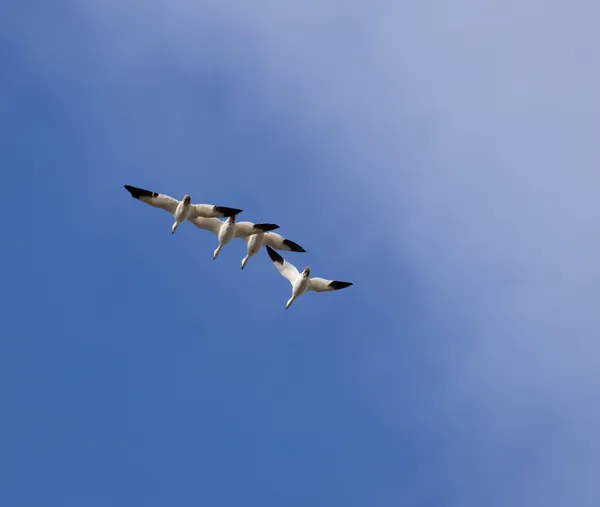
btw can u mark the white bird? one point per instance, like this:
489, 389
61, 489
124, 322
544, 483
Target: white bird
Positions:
228, 229
302, 282
181, 210
257, 241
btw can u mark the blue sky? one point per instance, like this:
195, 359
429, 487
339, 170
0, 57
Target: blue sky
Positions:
442, 157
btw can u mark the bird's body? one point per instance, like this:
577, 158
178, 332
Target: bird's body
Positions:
181, 210
226, 233
299, 286
302, 282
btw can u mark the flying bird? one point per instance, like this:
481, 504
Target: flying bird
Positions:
181, 210
256, 241
228, 229
302, 282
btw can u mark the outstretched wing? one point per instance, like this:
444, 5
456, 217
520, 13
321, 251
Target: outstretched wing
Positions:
210, 211
286, 269
322, 285
278, 242
153, 198
208, 224
245, 229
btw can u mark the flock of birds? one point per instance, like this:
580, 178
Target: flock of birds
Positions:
207, 216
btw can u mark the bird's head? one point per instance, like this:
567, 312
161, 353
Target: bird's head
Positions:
306, 272
187, 199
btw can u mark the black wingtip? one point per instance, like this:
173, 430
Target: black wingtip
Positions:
275, 257
266, 227
139, 192
339, 285
294, 247
227, 212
